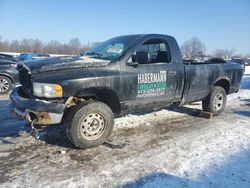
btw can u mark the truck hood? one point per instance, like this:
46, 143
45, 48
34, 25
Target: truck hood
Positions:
58, 63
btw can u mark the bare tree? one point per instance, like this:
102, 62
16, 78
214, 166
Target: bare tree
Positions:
1, 47
38, 46
74, 45
27, 45
14, 46
53, 47
4, 45
247, 55
224, 53
193, 48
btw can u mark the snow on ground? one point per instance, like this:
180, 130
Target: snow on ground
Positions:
166, 148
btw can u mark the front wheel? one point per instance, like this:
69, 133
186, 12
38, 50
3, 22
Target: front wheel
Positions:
215, 102
91, 125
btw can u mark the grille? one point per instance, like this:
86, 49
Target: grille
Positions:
25, 79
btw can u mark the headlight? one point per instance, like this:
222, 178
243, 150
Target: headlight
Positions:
47, 90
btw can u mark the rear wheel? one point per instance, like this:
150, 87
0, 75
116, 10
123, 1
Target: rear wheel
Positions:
91, 125
5, 85
215, 102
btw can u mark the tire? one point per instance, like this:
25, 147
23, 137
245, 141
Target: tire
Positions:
215, 102
91, 125
5, 85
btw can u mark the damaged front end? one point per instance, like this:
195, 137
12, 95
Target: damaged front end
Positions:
32, 109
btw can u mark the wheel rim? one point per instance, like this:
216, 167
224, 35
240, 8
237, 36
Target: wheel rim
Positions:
218, 101
93, 126
4, 85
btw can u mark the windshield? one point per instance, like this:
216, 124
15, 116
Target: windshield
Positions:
112, 49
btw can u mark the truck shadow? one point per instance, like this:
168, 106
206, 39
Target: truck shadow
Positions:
243, 113
233, 173
186, 110
5, 141
10, 126
56, 135
245, 83
247, 101
180, 109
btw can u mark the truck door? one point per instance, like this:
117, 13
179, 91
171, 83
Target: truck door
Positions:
156, 76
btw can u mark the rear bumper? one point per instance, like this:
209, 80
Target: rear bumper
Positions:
30, 109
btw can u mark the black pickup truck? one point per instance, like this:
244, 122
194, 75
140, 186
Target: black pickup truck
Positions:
121, 75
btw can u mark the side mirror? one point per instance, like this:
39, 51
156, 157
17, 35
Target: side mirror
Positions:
134, 64
142, 57
139, 58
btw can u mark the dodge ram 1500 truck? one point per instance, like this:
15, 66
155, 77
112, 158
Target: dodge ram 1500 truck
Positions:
121, 75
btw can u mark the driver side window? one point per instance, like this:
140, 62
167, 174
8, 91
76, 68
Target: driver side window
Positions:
157, 50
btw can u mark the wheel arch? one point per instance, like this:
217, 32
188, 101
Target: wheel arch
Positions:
224, 83
102, 94
8, 76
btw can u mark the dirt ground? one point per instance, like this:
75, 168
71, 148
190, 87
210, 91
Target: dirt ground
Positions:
170, 147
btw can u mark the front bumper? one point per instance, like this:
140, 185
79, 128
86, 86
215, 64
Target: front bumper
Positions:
42, 111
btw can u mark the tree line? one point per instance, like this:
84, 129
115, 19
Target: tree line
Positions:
191, 49
27, 45
196, 49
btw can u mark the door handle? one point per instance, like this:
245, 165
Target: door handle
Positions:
172, 72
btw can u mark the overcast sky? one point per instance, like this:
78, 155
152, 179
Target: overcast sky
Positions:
218, 23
